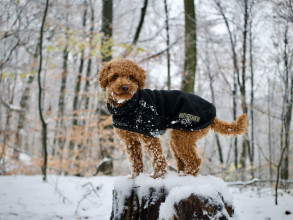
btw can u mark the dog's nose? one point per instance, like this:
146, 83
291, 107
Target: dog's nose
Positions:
124, 88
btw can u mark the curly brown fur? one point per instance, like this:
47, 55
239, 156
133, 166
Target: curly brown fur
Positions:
121, 78
119, 74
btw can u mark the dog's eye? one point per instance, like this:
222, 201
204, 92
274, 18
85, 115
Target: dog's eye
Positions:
131, 77
115, 77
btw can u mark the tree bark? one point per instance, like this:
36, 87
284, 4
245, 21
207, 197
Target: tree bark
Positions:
235, 74
75, 110
44, 124
214, 101
106, 51
107, 20
270, 94
202, 208
251, 156
24, 105
190, 61
168, 44
89, 65
287, 107
242, 86
149, 207
7, 125
140, 24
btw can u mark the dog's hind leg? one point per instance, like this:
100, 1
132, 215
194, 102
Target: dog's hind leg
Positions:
154, 149
184, 143
179, 162
134, 150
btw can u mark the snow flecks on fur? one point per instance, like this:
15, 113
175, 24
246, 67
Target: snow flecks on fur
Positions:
120, 101
177, 188
133, 146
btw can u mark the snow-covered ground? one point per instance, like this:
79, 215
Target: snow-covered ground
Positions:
69, 198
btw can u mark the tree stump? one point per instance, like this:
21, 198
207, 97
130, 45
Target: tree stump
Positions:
198, 207
174, 197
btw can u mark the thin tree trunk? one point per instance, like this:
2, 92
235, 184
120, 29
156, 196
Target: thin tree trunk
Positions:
107, 20
7, 124
214, 101
278, 174
60, 141
86, 96
190, 60
251, 156
287, 107
235, 74
168, 44
76, 97
270, 128
44, 124
89, 65
234, 117
242, 85
140, 24
24, 104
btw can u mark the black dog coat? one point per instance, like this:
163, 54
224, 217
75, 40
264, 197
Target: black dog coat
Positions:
151, 112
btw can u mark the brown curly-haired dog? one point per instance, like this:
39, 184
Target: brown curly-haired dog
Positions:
124, 81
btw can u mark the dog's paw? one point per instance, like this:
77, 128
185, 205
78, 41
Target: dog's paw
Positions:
160, 174
181, 173
133, 176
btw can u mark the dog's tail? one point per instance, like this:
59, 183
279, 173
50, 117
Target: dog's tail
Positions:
234, 128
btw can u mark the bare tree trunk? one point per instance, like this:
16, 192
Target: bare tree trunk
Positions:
89, 65
107, 20
24, 104
278, 174
76, 97
270, 128
140, 24
287, 107
168, 45
235, 74
242, 86
21, 120
7, 124
190, 60
251, 156
235, 117
86, 96
60, 140
44, 124
214, 101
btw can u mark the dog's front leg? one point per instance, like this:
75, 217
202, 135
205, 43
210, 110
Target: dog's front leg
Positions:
133, 149
154, 149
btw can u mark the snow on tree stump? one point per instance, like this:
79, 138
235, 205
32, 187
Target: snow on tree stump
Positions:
174, 197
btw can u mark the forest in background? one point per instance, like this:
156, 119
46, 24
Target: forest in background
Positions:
235, 53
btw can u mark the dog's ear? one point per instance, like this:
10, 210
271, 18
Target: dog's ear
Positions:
103, 75
142, 77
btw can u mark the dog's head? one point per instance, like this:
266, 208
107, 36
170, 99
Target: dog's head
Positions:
121, 78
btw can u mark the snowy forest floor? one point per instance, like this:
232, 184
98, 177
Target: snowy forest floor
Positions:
28, 197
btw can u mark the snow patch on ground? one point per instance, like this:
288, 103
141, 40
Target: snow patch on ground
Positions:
259, 203
29, 198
